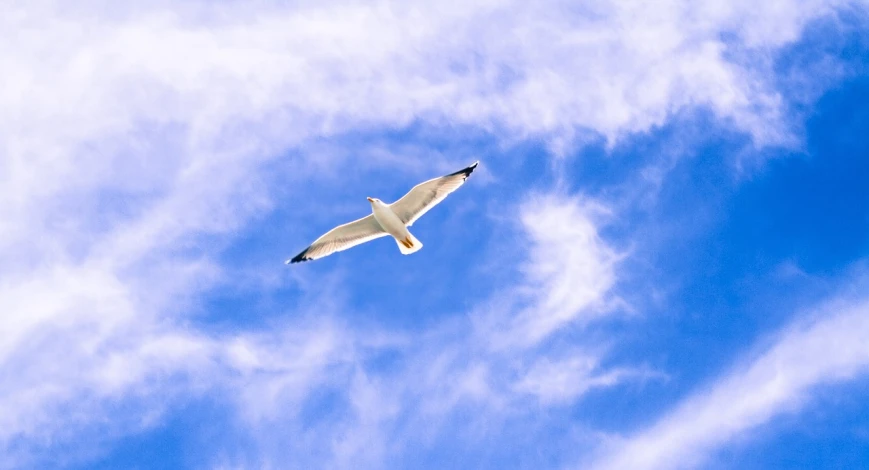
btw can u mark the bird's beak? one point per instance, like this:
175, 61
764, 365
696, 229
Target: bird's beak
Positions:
370, 200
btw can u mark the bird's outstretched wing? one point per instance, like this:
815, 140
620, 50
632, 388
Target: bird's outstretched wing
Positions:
426, 195
341, 238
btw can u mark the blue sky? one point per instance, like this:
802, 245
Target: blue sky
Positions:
661, 262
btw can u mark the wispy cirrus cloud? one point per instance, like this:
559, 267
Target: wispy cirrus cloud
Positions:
571, 271
826, 347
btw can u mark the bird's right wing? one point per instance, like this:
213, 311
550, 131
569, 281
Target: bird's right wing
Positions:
426, 195
341, 238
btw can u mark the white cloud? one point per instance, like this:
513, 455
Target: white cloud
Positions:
81, 82
568, 277
563, 381
570, 270
830, 348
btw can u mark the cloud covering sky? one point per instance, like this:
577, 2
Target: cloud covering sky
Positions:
661, 262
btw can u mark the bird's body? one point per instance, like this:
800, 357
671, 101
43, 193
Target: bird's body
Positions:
392, 224
388, 219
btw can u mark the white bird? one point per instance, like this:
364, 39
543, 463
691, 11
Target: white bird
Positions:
388, 219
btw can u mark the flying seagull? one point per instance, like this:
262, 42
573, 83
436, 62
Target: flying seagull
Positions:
388, 219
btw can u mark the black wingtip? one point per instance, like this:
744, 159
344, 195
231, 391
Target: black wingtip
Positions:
466, 171
299, 258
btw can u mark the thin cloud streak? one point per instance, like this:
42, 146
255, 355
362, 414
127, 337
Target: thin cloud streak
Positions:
828, 349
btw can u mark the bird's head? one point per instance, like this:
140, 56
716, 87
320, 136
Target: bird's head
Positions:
373, 200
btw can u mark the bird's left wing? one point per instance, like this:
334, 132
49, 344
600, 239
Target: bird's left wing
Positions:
424, 196
341, 238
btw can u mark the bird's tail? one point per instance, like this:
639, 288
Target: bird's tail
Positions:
409, 245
